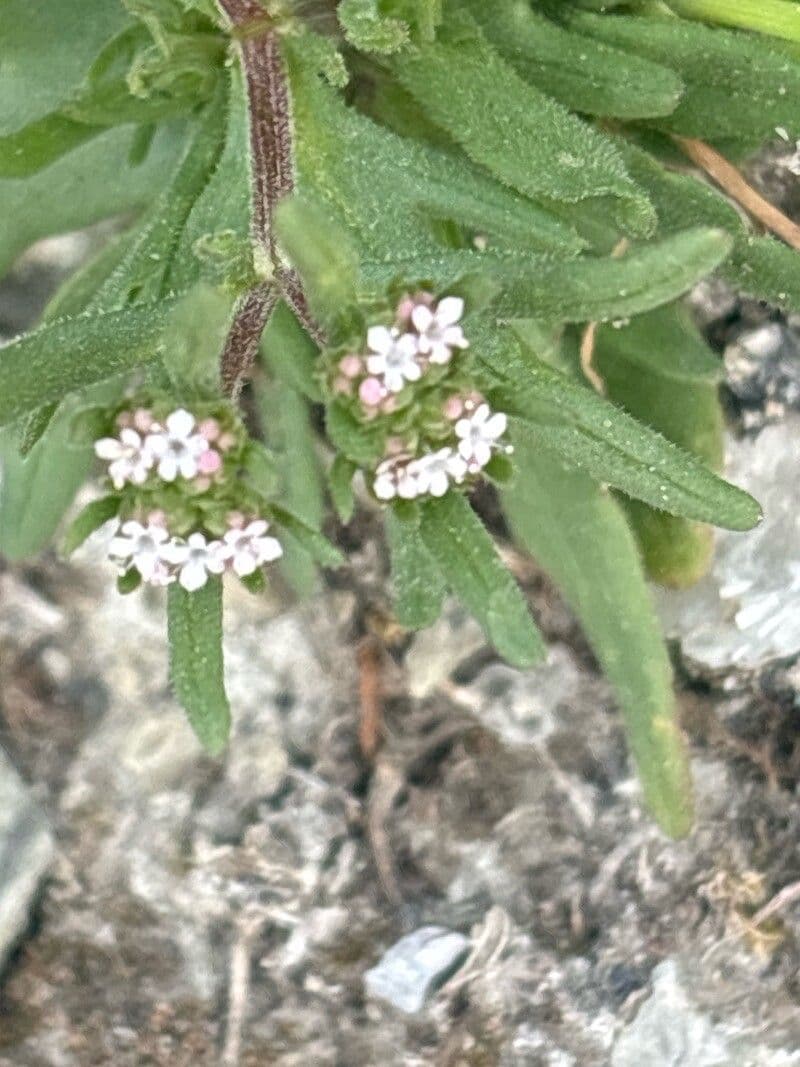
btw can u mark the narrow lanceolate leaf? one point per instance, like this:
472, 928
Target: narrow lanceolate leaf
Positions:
340, 487
196, 663
418, 587
674, 390
290, 353
468, 561
70, 354
92, 517
400, 184
525, 138
578, 534
570, 420
738, 87
591, 288
582, 73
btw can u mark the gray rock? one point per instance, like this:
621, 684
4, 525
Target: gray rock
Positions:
412, 969
762, 369
26, 852
669, 1031
746, 612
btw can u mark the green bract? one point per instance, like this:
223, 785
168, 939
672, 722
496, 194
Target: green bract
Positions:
392, 225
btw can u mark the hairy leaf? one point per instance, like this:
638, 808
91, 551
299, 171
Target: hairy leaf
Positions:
582, 73
71, 354
196, 663
578, 534
418, 587
570, 420
522, 136
92, 517
366, 28
468, 561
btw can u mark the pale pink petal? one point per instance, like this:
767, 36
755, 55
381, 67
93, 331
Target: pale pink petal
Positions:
449, 310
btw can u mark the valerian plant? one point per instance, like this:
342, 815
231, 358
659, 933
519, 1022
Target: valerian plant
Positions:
432, 244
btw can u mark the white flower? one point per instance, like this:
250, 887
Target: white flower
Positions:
195, 559
479, 434
396, 477
394, 358
142, 547
385, 485
438, 332
248, 548
437, 469
176, 448
127, 456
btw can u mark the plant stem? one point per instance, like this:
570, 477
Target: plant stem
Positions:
777, 18
272, 178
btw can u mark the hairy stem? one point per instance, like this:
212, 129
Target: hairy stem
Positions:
272, 178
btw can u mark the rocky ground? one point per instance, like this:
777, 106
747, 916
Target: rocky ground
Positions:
486, 892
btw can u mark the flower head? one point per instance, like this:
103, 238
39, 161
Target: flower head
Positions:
437, 327
177, 448
393, 358
479, 434
142, 547
127, 455
194, 559
436, 471
247, 548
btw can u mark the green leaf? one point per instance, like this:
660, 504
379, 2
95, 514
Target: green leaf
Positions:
418, 587
36, 490
70, 354
194, 336
525, 138
195, 661
36, 146
312, 541
587, 289
664, 341
468, 561
582, 73
578, 534
570, 420
366, 28
766, 269
738, 86
321, 250
362, 444
340, 484
290, 352
92, 517
400, 186
94, 182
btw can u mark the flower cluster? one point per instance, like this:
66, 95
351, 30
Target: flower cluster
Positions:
478, 432
412, 382
184, 512
425, 335
180, 447
161, 559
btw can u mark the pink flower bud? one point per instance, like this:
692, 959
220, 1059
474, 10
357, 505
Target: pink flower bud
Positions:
210, 429
342, 387
202, 485
389, 405
226, 441
142, 420
124, 420
404, 309
209, 462
157, 517
351, 366
235, 520
370, 392
453, 408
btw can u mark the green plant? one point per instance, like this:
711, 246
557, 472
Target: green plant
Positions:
434, 222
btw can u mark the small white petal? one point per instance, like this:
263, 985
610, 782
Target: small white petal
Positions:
384, 488
244, 563
269, 549
449, 310
422, 317
380, 339
180, 423
108, 448
193, 576
168, 468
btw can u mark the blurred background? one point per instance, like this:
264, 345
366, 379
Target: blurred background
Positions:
480, 888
